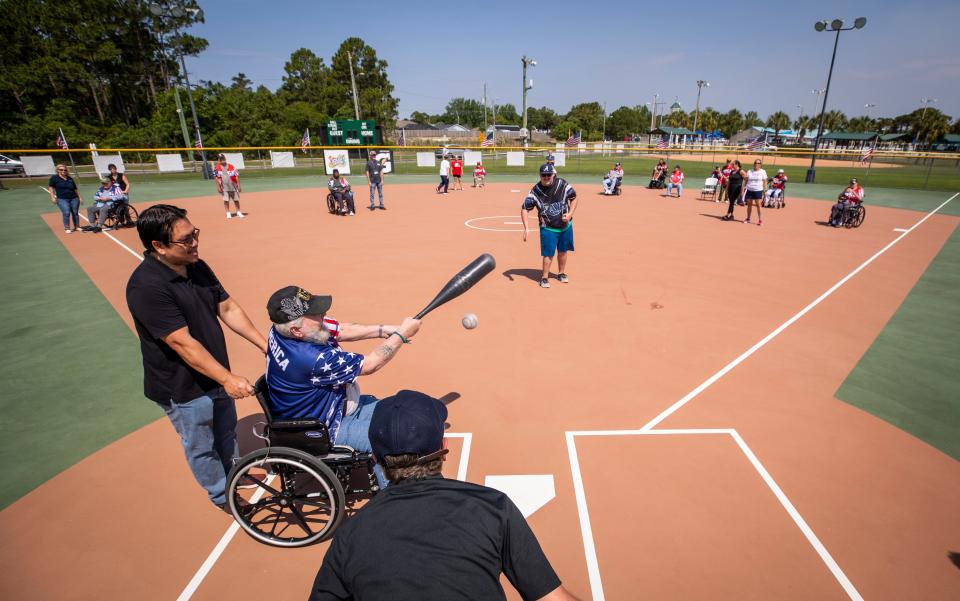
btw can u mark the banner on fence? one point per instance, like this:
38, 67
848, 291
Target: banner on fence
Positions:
426, 159
38, 165
235, 159
169, 162
380, 155
471, 157
559, 159
514, 159
279, 160
336, 159
101, 161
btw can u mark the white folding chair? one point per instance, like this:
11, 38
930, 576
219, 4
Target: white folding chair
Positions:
709, 187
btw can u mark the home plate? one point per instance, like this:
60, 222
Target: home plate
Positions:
529, 492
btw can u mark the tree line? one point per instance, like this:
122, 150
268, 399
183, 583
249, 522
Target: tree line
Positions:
109, 72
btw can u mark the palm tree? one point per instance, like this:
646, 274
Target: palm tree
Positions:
834, 121
778, 121
709, 119
731, 123
931, 126
751, 118
862, 124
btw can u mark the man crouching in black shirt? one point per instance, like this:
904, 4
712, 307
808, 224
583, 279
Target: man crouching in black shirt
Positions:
426, 537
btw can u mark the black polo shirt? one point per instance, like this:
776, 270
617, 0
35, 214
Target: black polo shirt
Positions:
434, 539
162, 301
65, 187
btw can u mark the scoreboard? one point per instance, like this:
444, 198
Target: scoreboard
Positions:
351, 132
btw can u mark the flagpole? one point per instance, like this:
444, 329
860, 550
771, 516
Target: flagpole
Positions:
69, 154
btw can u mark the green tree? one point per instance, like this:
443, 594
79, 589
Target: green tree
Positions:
778, 121
624, 122
751, 118
507, 115
564, 129
419, 117
731, 123
834, 121
862, 124
589, 115
542, 118
374, 89
465, 111
709, 120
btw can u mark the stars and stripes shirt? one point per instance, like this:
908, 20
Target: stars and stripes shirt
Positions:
551, 203
310, 380
230, 171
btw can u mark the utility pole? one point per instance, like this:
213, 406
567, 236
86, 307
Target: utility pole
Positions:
696, 119
353, 84
484, 108
526, 61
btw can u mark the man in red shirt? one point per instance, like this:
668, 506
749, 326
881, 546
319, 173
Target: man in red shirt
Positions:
456, 170
228, 185
775, 193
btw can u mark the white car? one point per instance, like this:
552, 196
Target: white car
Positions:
8, 165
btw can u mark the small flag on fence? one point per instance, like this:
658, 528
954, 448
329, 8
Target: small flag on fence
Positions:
403, 139
62, 141
199, 142
305, 140
662, 142
867, 154
488, 141
574, 139
757, 142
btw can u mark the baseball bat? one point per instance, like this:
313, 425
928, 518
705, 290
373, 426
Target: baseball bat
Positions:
460, 283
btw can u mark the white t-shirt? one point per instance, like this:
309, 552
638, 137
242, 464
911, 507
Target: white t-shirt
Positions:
444, 167
756, 179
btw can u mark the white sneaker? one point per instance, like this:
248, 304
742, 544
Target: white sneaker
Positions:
241, 215
229, 215
351, 212
67, 231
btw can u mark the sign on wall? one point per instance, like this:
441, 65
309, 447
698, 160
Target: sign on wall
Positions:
336, 159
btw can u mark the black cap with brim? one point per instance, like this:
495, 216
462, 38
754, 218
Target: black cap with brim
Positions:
408, 423
293, 302
547, 169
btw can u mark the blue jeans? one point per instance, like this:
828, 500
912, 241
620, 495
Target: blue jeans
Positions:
69, 207
679, 188
444, 183
354, 431
207, 426
379, 187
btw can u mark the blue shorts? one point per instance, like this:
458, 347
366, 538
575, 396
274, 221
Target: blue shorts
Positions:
551, 242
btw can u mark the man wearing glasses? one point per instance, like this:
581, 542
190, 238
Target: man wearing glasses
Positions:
555, 201
175, 300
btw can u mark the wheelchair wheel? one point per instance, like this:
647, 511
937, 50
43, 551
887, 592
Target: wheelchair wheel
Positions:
332, 204
121, 216
302, 503
858, 216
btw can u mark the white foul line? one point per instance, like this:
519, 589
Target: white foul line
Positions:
221, 546
899, 229
108, 235
589, 548
763, 342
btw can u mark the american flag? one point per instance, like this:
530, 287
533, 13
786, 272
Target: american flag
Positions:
403, 139
574, 139
757, 142
305, 140
867, 154
488, 141
199, 142
662, 142
62, 141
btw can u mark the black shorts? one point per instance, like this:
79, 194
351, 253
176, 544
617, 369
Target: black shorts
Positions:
754, 194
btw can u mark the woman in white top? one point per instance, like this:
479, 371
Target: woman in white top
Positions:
756, 188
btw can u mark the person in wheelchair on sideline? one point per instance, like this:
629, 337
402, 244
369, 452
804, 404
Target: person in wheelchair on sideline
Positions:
340, 188
613, 177
851, 196
106, 195
310, 376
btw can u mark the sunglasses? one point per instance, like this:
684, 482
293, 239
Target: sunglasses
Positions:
190, 240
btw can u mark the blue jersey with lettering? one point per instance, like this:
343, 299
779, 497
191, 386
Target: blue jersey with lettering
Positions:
309, 380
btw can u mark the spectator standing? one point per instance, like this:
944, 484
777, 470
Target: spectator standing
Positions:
734, 187
228, 185
426, 537
177, 304
375, 179
444, 175
479, 175
724, 179
456, 170
676, 181
756, 188
65, 194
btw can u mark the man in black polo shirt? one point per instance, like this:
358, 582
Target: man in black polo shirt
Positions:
425, 537
175, 299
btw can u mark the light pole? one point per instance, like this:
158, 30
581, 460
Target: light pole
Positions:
159, 10
526, 86
835, 25
353, 84
696, 118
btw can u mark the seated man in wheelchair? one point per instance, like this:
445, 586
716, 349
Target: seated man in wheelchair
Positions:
105, 197
659, 177
613, 179
310, 376
851, 196
774, 197
340, 188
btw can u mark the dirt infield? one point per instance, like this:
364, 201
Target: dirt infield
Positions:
663, 296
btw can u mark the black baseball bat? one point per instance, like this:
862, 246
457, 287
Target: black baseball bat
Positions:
460, 283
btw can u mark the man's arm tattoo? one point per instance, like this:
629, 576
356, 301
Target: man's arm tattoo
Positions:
385, 351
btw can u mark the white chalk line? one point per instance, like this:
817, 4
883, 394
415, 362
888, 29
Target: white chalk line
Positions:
108, 235
900, 229
593, 570
221, 546
469, 224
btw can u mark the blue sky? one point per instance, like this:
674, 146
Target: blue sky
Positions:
765, 57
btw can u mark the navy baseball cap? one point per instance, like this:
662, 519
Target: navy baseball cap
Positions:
547, 169
408, 423
292, 302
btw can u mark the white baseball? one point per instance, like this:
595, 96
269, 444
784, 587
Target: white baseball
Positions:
469, 321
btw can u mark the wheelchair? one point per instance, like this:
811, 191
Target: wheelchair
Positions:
335, 208
120, 215
852, 216
616, 188
309, 482
659, 183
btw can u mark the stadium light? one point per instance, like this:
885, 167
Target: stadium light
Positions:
835, 25
527, 62
696, 118
159, 10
